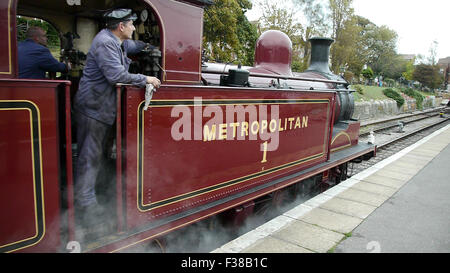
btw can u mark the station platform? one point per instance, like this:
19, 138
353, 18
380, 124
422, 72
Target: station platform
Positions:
400, 205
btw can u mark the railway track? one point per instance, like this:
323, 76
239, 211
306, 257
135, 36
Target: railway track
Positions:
392, 140
389, 123
210, 234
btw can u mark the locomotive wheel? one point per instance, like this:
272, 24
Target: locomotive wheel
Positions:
279, 198
270, 203
157, 246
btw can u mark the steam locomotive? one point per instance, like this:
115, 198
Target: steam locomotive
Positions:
215, 138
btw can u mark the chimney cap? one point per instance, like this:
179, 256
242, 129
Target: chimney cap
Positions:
321, 38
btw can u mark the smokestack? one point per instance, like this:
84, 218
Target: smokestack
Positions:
320, 54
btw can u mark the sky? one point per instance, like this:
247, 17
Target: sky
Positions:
417, 22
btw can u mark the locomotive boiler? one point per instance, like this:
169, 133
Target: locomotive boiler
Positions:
215, 139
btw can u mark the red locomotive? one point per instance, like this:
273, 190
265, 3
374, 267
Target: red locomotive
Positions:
215, 138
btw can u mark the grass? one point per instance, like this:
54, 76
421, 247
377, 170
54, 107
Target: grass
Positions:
370, 93
347, 235
376, 93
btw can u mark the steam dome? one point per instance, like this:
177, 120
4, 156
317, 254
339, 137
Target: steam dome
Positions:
273, 53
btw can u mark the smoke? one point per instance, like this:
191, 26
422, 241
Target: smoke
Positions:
201, 237
212, 233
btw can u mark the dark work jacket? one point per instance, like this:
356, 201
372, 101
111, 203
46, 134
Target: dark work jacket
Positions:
35, 60
106, 65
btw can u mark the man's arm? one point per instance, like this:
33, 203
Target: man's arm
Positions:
48, 63
109, 60
134, 46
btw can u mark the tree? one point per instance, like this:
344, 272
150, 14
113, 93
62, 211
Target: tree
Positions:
368, 73
428, 75
280, 18
347, 50
247, 34
432, 59
227, 33
340, 12
381, 43
409, 70
315, 25
277, 17
394, 67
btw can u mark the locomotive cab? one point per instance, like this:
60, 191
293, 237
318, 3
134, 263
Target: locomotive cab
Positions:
77, 23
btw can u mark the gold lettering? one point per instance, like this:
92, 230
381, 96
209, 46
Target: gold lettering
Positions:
244, 128
257, 127
209, 135
264, 160
290, 122
209, 132
234, 125
223, 131
280, 129
273, 126
298, 123
263, 126
305, 122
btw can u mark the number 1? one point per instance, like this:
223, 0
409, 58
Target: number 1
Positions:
264, 153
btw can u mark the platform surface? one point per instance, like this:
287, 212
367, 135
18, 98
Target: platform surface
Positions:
401, 204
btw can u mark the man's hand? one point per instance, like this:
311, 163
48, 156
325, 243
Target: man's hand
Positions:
155, 81
149, 47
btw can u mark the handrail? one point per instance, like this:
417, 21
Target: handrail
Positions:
284, 77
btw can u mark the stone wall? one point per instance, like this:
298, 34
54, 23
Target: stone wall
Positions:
384, 108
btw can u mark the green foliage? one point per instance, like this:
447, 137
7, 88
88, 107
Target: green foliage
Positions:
277, 17
297, 65
381, 53
391, 93
368, 73
389, 82
360, 42
392, 66
345, 51
227, 32
359, 89
23, 23
344, 32
409, 70
428, 75
247, 34
228, 35
348, 76
416, 95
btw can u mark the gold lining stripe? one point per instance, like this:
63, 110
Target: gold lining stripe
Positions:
342, 147
252, 176
34, 175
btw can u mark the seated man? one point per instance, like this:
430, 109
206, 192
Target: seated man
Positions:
35, 58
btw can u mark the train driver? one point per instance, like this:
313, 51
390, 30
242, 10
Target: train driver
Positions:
95, 103
35, 58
